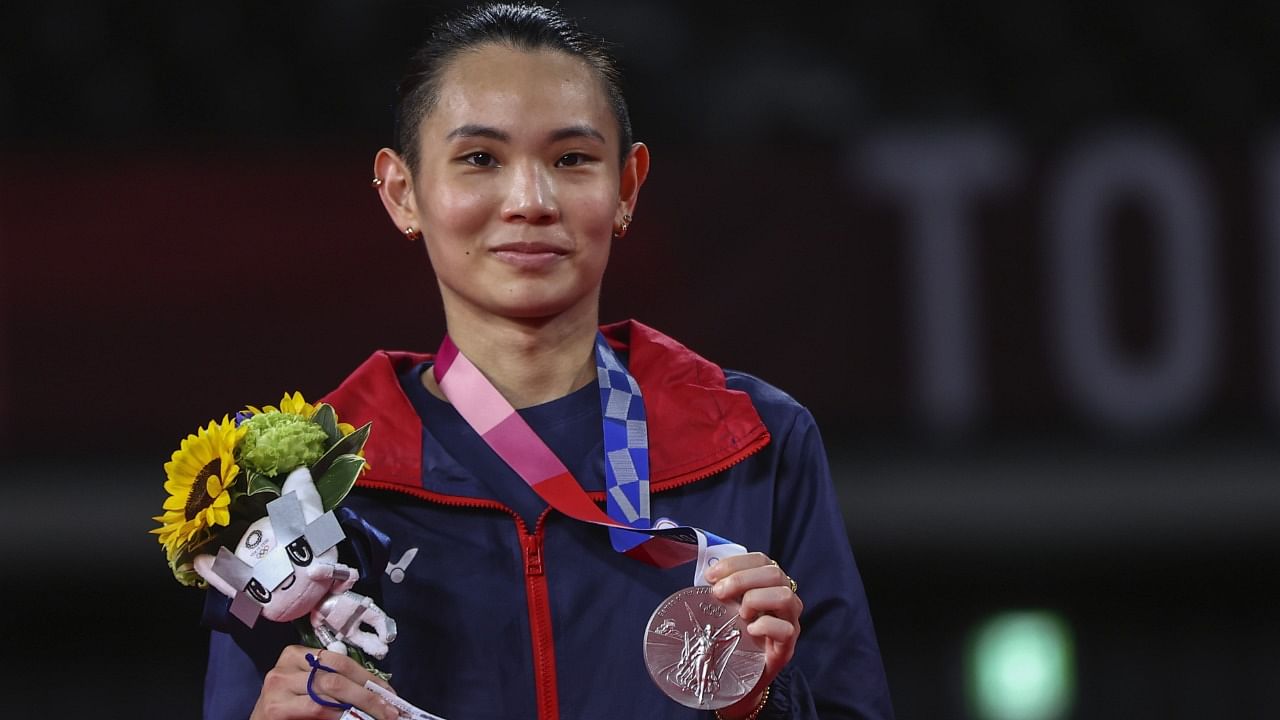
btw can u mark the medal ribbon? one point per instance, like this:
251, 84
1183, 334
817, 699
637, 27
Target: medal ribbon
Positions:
626, 449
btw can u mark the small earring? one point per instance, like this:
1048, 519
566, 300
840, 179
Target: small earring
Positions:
412, 235
622, 229
375, 183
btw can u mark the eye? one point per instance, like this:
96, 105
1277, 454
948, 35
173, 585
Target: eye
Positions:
300, 552
258, 592
572, 159
481, 159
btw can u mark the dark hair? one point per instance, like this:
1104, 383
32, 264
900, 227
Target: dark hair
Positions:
519, 26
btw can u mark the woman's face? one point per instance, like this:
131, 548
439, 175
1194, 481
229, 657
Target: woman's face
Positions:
518, 184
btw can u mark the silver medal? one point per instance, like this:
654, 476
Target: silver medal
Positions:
698, 650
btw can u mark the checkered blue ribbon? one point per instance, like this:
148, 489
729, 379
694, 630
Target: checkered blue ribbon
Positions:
626, 448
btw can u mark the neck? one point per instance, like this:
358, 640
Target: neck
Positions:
529, 362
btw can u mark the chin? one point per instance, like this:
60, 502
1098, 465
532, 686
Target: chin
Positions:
532, 303
532, 311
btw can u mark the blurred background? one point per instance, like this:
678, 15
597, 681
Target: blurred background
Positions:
1020, 260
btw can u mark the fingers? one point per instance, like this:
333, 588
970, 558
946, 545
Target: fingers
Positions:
773, 600
779, 642
728, 566
774, 628
341, 664
767, 602
335, 687
284, 690
733, 577
293, 706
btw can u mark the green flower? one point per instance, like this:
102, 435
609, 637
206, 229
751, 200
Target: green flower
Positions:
279, 442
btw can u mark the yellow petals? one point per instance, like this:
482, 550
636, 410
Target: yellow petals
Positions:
200, 475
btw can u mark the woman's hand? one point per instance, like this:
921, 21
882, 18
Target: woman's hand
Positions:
771, 609
284, 690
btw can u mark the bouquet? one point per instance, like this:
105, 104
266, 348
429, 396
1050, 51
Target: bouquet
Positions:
250, 513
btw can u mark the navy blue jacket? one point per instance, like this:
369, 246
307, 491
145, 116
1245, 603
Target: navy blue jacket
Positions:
498, 620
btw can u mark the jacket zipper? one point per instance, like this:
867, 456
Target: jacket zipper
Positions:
541, 633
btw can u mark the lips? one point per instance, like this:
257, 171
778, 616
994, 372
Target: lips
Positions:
530, 248
529, 255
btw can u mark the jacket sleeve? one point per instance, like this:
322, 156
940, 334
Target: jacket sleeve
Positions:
239, 658
836, 671
231, 682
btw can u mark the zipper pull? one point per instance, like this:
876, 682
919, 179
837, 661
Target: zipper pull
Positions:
533, 554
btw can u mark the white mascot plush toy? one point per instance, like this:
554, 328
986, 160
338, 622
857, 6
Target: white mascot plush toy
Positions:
286, 566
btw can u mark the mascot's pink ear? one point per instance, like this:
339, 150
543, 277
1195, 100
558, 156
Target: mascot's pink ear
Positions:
204, 566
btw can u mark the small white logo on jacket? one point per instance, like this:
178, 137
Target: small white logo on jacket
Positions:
395, 570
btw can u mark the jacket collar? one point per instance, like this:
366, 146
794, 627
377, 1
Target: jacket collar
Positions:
697, 426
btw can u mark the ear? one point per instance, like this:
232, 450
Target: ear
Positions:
634, 171
204, 565
300, 482
396, 189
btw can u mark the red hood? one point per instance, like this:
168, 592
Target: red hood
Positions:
697, 426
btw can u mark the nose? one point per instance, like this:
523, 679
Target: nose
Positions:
531, 195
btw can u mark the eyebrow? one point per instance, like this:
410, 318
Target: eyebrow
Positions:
473, 130
576, 131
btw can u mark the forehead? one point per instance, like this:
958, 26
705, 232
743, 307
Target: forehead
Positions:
519, 90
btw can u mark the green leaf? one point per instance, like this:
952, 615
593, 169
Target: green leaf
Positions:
349, 445
336, 482
306, 633
355, 654
327, 419
261, 483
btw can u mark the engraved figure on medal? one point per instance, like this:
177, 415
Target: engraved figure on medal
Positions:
698, 651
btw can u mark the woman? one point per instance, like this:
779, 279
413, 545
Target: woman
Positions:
515, 165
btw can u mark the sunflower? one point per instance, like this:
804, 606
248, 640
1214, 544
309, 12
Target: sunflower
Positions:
346, 429
201, 473
293, 404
